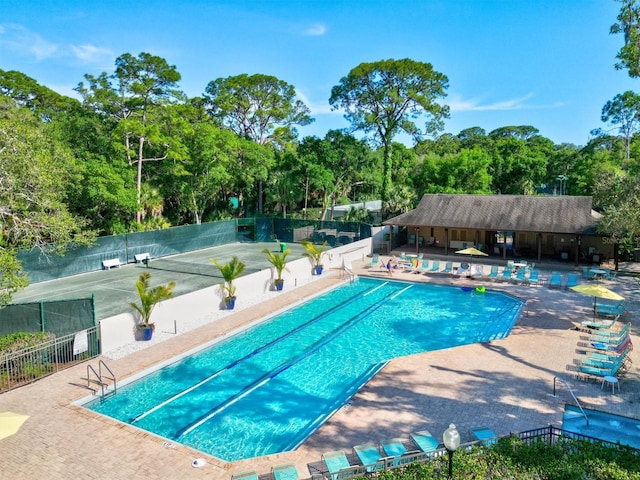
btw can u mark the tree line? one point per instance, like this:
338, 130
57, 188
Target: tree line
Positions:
133, 152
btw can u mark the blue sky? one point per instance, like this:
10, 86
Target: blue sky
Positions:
545, 63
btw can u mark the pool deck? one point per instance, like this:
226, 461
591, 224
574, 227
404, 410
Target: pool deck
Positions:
506, 385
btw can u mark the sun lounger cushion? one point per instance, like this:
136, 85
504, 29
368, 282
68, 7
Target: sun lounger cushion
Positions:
484, 434
286, 471
335, 461
369, 455
425, 441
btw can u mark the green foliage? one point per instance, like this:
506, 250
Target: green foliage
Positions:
315, 252
385, 97
12, 278
150, 297
278, 260
230, 271
14, 342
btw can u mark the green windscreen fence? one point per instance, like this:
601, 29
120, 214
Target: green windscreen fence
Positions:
60, 317
41, 266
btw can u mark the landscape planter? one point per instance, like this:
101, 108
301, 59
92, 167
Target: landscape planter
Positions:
230, 303
319, 270
146, 333
279, 285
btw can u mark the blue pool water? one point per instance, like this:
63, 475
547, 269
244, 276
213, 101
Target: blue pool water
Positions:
604, 426
268, 388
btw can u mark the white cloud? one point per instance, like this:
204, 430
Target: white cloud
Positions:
322, 108
458, 104
316, 30
91, 54
22, 41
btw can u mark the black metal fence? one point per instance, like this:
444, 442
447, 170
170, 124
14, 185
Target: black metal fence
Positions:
29, 364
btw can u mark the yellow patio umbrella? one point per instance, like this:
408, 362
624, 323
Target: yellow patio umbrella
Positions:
472, 251
596, 291
10, 423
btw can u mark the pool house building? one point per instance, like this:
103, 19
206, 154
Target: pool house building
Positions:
553, 227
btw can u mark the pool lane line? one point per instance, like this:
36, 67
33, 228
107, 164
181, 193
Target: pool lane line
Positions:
253, 353
282, 368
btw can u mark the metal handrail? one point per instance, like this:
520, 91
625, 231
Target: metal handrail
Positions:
572, 394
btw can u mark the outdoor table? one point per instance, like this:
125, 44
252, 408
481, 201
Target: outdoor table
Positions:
598, 272
610, 380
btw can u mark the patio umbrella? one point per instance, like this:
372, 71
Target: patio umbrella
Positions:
472, 251
596, 291
10, 423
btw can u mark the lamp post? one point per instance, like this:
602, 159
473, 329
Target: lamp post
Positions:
451, 440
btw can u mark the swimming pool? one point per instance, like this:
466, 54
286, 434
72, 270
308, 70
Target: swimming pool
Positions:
605, 426
267, 389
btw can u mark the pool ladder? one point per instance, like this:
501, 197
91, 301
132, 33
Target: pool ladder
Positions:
100, 378
572, 394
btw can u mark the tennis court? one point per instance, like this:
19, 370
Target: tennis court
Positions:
191, 271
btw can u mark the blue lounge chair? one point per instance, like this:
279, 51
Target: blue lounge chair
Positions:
435, 267
611, 310
448, 267
521, 276
494, 272
425, 441
556, 280
335, 461
286, 471
484, 434
394, 448
572, 280
506, 274
248, 475
374, 260
424, 266
534, 277
369, 456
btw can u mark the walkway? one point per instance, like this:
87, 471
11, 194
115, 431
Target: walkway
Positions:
506, 385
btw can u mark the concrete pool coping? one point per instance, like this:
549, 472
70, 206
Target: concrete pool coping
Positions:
506, 385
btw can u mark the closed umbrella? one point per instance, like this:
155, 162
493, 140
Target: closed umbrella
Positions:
596, 291
10, 423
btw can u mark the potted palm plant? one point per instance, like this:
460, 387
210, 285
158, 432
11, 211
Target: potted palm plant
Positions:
230, 271
279, 262
315, 252
149, 297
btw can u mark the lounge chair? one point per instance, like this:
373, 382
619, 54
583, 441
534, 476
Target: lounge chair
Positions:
521, 276
424, 266
464, 270
534, 277
335, 462
484, 434
611, 310
435, 267
448, 267
556, 280
374, 260
506, 274
285, 471
425, 441
394, 448
477, 271
587, 274
596, 324
494, 272
370, 457
247, 475
572, 280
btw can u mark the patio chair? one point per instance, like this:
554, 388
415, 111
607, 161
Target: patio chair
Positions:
435, 267
425, 441
374, 260
484, 434
394, 448
555, 280
572, 280
534, 277
335, 461
521, 276
506, 274
494, 272
285, 471
611, 310
424, 266
370, 457
477, 271
587, 274
448, 267
248, 475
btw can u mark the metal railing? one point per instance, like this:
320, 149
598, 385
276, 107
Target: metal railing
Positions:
25, 366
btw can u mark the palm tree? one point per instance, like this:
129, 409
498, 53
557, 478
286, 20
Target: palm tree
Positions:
230, 271
149, 297
279, 262
315, 252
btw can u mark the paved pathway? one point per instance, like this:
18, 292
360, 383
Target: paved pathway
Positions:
506, 385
